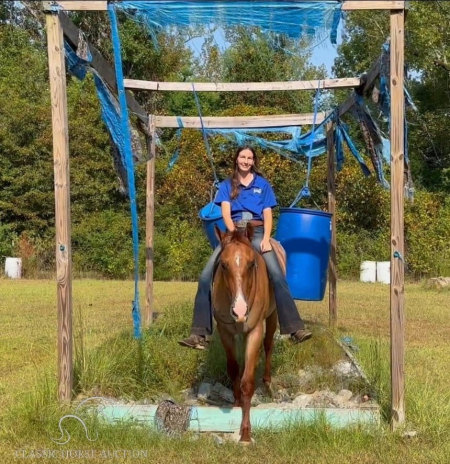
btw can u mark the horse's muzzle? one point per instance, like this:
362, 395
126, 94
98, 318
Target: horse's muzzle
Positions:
239, 310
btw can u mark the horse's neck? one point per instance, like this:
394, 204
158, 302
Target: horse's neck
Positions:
254, 287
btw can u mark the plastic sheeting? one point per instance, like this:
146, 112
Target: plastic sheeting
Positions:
292, 18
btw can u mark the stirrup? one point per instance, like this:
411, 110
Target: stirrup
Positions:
197, 342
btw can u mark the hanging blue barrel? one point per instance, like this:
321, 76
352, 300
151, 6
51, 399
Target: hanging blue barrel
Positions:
211, 215
306, 236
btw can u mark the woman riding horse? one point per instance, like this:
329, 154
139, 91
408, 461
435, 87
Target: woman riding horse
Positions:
246, 196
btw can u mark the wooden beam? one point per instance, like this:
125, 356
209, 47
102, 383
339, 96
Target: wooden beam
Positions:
368, 81
349, 5
149, 223
397, 220
332, 267
239, 122
57, 71
352, 5
347, 105
86, 5
344, 83
103, 67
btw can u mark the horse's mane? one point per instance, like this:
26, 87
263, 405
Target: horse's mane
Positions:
239, 236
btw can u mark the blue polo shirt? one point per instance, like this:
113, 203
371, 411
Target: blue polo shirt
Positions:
254, 198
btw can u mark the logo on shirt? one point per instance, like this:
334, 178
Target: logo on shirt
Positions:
257, 190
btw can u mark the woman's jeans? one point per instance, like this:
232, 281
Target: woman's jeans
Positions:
288, 315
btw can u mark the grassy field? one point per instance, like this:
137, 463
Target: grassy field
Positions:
108, 361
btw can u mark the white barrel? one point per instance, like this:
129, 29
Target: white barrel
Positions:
368, 271
384, 272
13, 268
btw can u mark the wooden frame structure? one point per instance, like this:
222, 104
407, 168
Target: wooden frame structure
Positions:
59, 25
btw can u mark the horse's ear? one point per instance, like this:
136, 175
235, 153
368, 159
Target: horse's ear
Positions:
219, 233
249, 231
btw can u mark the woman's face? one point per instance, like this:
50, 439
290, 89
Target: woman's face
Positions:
245, 161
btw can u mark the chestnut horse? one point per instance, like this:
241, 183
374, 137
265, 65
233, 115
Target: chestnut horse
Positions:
243, 299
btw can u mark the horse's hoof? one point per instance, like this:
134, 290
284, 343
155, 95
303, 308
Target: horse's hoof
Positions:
247, 443
268, 389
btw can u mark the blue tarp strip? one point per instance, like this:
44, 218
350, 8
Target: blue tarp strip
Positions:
295, 19
129, 164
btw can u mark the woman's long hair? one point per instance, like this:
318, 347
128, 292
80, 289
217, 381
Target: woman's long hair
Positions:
235, 176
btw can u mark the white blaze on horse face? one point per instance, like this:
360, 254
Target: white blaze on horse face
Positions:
240, 305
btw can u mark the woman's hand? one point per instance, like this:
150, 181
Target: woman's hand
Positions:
265, 245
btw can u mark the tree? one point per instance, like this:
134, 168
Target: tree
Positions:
427, 65
25, 142
257, 57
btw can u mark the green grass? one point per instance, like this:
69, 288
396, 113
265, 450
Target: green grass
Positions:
122, 367
110, 362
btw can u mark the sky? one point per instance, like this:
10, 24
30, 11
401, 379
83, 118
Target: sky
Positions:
326, 52
325, 55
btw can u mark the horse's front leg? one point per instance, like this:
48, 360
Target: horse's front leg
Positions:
227, 339
253, 345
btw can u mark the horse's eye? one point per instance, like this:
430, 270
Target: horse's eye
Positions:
224, 266
251, 264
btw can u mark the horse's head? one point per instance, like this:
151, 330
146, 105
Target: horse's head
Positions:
238, 265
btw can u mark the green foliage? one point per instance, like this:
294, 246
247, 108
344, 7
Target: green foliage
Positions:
125, 367
180, 252
94, 185
37, 252
354, 248
427, 65
430, 139
363, 219
255, 57
102, 244
100, 214
8, 239
361, 202
26, 200
428, 36
365, 33
427, 225
427, 58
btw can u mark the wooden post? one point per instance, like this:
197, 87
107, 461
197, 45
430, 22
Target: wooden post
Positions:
397, 219
149, 225
331, 184
57, 71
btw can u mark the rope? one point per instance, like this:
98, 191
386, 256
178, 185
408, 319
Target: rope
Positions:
129, 165
205, 137
305, 192
176, 155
